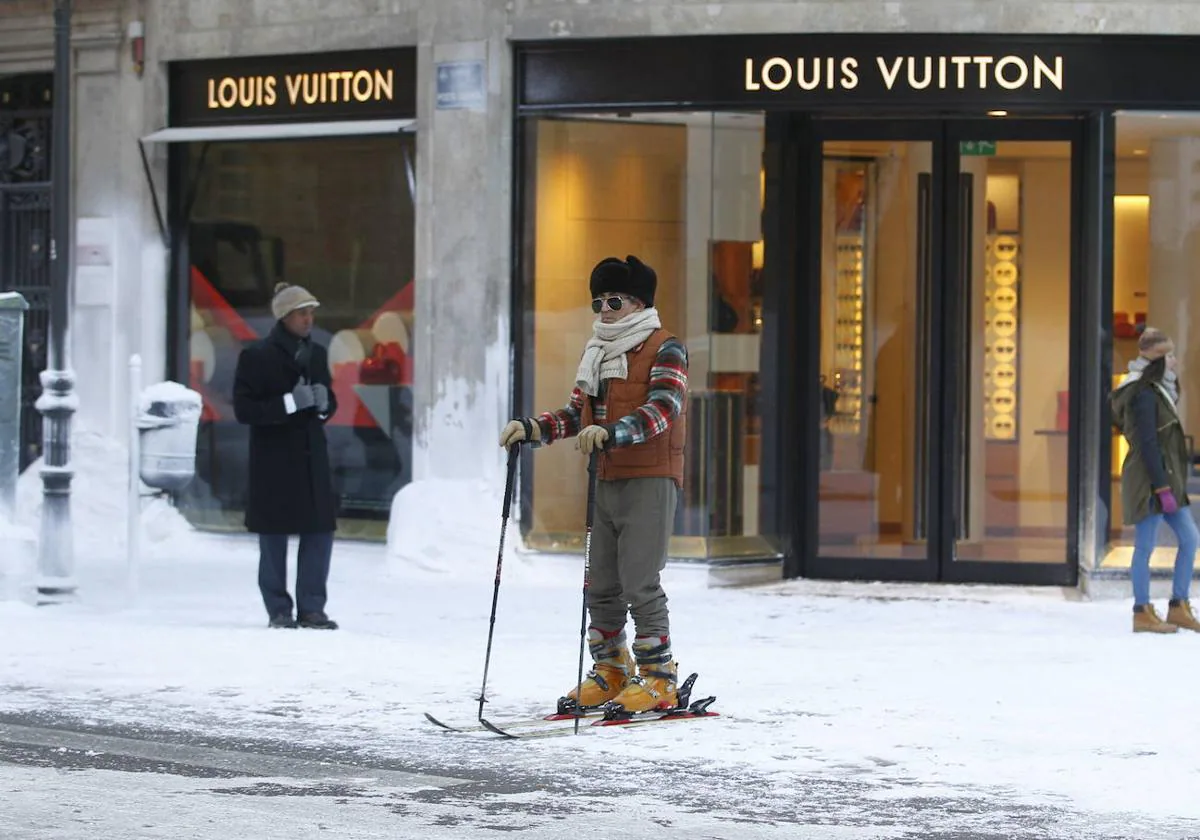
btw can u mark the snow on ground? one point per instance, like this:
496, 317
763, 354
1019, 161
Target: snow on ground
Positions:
912, 689
901, 690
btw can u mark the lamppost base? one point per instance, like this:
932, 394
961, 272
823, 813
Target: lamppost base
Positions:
53, 591
56, 549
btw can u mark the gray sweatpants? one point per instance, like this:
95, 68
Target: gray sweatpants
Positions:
633, 522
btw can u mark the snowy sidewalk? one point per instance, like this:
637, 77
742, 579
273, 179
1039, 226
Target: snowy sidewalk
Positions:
905, 692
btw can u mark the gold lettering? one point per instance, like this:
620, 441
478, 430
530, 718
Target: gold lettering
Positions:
383, 85
293, 87
849, 73
269, 91
802, 80
227, 92
983, 61
750, 83
361, 93
347, 75
912, 73
961, 61
312, 89
212, 94
890, 74
1022, 72
245, 91
769, 65
1010, 72
1041, 70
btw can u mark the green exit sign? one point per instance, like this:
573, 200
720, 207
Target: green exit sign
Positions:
977, 148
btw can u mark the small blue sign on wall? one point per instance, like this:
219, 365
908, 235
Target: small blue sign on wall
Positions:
461, 86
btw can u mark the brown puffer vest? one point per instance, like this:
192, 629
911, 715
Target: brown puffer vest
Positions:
660, 457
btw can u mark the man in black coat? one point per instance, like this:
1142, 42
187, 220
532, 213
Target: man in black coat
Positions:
282, 392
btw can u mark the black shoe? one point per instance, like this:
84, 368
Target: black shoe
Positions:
282, 620
317, 621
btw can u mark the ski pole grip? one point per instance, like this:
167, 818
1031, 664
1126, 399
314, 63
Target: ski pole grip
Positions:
591, 490
510, 475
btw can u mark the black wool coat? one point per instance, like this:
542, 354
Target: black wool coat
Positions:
291, 487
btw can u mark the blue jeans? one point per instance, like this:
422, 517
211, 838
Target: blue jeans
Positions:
1146, 534
312, 571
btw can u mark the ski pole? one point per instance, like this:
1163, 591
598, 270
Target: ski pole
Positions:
508, 492
587, 570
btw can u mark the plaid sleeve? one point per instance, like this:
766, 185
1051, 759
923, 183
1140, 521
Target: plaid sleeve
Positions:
668, 390
563, 423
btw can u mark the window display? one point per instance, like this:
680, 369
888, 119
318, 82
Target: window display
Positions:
334, 216
682, 191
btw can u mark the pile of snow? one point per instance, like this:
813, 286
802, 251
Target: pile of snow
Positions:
18, 557
170, 399
449, 526
99, 500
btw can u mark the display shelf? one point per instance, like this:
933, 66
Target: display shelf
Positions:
848, 336
1002, 285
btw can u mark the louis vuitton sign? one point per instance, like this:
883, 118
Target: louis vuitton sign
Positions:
315, 86
908, 72
854, 71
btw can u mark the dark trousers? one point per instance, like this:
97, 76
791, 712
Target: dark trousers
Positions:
312, 571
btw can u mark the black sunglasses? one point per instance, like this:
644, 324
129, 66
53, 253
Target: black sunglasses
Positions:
614, 303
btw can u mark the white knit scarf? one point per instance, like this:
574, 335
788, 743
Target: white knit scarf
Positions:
1168, 384
604, 354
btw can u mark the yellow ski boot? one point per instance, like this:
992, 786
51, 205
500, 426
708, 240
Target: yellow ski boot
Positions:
657, 683
610, 674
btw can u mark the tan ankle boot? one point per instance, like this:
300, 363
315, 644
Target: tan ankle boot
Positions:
1146, 620
1180, 614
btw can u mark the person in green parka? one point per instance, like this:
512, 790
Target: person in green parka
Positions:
1154, 478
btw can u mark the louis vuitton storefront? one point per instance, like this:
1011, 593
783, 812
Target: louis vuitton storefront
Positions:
907, 268
296, 168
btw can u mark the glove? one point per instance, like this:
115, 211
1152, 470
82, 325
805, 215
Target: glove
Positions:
514, 432
592, 438
1166, 499
303, 396
321, 398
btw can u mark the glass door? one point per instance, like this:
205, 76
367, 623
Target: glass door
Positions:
1010, 277
946, 278
877, 278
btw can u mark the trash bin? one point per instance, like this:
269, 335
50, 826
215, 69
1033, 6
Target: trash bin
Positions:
168, 420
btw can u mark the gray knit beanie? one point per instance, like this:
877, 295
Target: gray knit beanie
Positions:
289, 298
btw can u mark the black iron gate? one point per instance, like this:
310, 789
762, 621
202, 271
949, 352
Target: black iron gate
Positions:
25, 231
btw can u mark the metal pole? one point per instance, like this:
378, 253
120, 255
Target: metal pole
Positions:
56, 554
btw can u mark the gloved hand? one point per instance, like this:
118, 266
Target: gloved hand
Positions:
592, 438
1167, 500
514, 432
303, 396
321, 398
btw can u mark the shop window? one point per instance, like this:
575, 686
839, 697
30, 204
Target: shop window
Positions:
1156, 248
337, 217
683, 192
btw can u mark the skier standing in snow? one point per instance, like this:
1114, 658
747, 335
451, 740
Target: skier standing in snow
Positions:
629, 405
282, 391
1154, 478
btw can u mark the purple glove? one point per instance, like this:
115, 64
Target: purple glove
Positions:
1166, 499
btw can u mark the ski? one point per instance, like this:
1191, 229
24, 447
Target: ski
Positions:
697, 711
609, 715
545, 720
